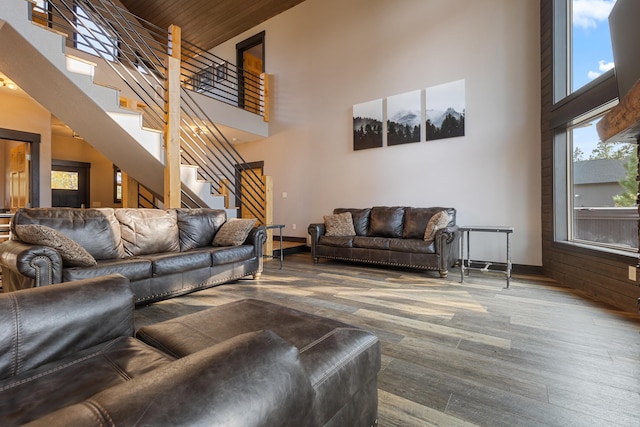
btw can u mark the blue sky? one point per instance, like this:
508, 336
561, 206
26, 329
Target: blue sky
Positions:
592, 56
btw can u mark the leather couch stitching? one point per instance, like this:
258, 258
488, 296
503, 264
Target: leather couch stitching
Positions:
37, 269
15, 344
50, 371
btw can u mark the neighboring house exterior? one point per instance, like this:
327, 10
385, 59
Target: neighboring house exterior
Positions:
596, 182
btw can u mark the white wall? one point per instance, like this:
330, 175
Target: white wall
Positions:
327, 55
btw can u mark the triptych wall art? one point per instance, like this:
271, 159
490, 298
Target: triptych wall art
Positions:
410, 117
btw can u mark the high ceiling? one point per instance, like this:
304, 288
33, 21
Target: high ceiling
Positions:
207, 23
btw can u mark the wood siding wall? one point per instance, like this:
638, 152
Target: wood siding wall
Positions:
599, 274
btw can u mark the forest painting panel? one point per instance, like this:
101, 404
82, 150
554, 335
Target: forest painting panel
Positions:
445, 110
367, 125
404, 117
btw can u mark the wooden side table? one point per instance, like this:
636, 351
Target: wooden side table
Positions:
467, 264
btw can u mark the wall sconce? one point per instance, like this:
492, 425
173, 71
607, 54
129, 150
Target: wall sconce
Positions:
198, 131
8, 84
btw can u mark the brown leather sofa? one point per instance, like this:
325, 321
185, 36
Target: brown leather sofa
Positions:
164, 253
393, 236
248, 363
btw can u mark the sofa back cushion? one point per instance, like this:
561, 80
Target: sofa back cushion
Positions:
416, 220
148, 231
360, 219
197, 227
386, 221
96, 230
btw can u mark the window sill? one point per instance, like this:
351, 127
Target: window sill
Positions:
600, 251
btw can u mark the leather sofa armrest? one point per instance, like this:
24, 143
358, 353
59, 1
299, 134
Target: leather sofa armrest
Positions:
448, 246
254, 379
449, 234
44, 324
41, 264
315, 231
257, 237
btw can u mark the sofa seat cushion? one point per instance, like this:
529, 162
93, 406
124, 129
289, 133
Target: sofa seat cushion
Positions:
228, 254
339, 359
197, 227
148, 231
75, 378
96, 230
412, 245
337, 241
371, 242
131, 268
172, 262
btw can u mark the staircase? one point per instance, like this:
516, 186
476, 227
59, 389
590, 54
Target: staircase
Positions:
123, 112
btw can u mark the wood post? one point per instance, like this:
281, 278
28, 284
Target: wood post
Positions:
172, 184
129, 191
267, 186
266, 90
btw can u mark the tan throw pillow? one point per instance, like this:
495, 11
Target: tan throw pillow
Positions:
436, 222
233, 232
339, 225
71, 252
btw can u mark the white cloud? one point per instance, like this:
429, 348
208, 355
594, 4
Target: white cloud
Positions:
587, 13
593, 74
603, 66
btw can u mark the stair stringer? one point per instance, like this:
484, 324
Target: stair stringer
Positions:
28, 57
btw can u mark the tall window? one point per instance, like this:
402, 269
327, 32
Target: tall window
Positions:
595, 182
92, 37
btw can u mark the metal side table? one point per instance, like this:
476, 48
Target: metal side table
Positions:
467, 264
279, 227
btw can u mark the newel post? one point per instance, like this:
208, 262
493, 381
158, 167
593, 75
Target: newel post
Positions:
172, 185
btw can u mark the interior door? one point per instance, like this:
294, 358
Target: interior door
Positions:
252, 66
70, 184
251, 190
18, 177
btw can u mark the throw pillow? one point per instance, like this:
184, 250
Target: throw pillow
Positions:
233, 232
71, 252
436, 222
339, 225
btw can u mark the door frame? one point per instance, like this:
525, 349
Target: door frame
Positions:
241, 47
76, 165
33, 139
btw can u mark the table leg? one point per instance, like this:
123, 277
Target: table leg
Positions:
508, 259
281, 249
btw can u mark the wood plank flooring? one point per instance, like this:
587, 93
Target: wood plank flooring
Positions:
463, 354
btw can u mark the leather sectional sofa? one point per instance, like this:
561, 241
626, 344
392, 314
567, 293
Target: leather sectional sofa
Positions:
247, 363
164, 253
393, 236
